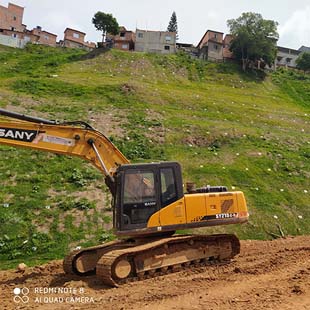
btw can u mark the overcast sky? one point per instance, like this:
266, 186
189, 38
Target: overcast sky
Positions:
194, 17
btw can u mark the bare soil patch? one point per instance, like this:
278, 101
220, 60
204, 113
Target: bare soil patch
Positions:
266, 275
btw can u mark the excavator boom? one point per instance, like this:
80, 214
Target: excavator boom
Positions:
67, 138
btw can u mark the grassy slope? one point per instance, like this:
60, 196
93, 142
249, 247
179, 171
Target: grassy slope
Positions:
225, 127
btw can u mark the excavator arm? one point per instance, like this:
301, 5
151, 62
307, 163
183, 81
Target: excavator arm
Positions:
67, 138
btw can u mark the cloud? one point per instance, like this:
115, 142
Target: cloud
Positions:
295, 32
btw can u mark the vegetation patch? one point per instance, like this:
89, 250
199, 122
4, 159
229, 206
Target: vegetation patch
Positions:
247, 131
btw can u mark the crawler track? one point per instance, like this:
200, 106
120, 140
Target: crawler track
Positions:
83, 262
164, 256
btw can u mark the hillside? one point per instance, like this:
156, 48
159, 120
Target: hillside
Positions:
250, 132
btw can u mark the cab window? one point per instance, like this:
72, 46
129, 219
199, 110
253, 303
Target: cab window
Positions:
139, 187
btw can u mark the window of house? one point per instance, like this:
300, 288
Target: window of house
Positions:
215, 47
288, 60
122, 34
14, 35
140, 35
12, 28
76, 35
215, 36
14, 18
124, 46
167, 47
46, 37
168, 38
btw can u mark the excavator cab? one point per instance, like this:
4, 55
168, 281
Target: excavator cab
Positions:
142, 190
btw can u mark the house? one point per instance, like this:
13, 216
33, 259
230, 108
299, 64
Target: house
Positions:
11, 25
11, 18
125, 40
304, 49
25, 35
161, 42
286, 57
44, 37
227, 54
75, 39
187, 48
211, 46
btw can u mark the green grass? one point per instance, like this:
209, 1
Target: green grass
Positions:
248, 131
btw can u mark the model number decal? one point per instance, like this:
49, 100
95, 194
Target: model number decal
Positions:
58, 140
226, 215
216, 217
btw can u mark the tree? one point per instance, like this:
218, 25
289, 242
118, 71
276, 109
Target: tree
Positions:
254, 39
106, 23
303, 61
173, 25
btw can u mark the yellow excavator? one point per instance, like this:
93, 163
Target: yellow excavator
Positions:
149, 205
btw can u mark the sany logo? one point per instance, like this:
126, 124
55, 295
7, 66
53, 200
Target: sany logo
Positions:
21, 295
18, 134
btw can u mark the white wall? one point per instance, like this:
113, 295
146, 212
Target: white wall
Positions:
155, 42
12, 42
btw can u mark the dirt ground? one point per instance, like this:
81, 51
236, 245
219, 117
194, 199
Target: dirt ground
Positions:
266, 275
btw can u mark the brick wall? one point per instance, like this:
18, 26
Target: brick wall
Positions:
124, 40
211, 35
227, 54
45, 37
74, 35
12, 17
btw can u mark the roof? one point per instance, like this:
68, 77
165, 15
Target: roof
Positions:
28, 32
304, 48
214, 31
288, 50
185, 44
43, 31
53, 34
168, 32
75, 30
206, 33
16, 5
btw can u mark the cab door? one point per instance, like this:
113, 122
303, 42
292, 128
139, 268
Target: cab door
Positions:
173, 210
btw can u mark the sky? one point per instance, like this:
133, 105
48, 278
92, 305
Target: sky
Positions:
194, 17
